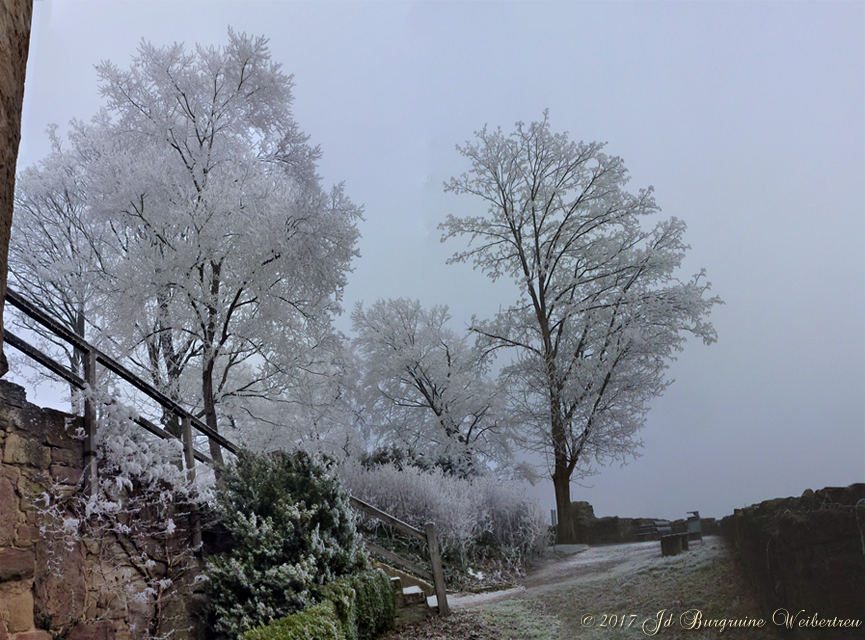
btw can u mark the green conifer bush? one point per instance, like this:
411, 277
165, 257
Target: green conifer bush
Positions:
292, 532
365, 604
355, 607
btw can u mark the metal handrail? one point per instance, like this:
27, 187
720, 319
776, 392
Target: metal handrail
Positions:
79, 383
92, 355
21, 303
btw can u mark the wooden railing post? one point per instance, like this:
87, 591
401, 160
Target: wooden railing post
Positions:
189, 458
438, 574
188, 451
91, 476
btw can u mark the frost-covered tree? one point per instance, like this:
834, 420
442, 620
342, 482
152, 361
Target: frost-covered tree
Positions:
426, 387
59, 254
601, 311
228, 256
237, 255
321, 409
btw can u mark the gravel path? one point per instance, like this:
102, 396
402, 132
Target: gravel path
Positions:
572, 592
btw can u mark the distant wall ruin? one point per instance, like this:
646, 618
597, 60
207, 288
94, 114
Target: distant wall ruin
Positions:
615, 530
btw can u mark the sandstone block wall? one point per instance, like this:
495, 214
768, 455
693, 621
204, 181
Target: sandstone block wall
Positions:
37, 450
15, 17
85, 587
806, 553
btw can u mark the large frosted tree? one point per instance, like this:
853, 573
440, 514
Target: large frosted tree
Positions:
58, 255
601, 310
243, 253
229, 257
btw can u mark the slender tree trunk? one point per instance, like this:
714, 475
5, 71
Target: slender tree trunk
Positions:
565, 533
76, 358
209, 353
15, 16
210, 409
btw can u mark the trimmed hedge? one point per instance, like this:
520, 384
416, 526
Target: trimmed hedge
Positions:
316, 623
365, 604
355, 607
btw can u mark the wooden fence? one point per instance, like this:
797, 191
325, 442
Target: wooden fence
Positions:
91, 357
428, 537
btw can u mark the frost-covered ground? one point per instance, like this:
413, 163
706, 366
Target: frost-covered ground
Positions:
568, 596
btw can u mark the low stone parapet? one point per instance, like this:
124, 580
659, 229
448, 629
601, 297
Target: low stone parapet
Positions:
806, 554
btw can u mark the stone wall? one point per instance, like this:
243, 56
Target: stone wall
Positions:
36, 451
806, 553
85, 586
615, 530
15, 17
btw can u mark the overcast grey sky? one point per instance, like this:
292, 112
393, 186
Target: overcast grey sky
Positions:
748, 118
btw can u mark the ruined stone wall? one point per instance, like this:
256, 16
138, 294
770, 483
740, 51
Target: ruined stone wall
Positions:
589, 529
36, 451
806, 553
77, 587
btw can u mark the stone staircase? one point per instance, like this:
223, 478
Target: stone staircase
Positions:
413, 602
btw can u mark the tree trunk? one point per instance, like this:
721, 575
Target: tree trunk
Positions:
565, 533
15, 16
210, 409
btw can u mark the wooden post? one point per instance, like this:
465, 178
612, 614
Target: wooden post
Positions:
671, 545
189, 458
91, 476
188, 455
438, 574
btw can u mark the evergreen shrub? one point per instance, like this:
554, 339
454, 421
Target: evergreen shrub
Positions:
355, 607
316, 623
375, 605
292, 532
365, 604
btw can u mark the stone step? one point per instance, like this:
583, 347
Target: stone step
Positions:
396, 584
413, 604
413, 595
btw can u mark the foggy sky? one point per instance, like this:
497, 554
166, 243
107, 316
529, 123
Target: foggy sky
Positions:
747, 118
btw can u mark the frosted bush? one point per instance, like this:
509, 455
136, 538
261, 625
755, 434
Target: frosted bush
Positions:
291, 530
515, 521
142, 502
417, 497
130, 456
474, 517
